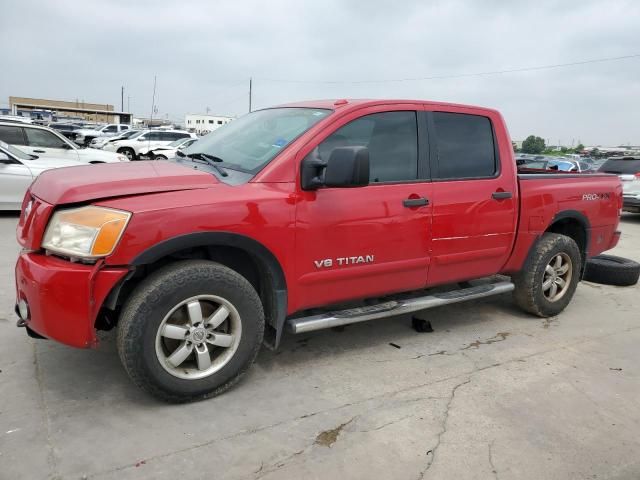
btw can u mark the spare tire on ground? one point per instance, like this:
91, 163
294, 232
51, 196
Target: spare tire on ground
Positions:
612, 270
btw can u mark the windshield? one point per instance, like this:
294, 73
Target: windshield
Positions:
16, 152
130, 134
177, 143
562, 166
252, 141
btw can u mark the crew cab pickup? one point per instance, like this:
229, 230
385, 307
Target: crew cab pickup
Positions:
300, 217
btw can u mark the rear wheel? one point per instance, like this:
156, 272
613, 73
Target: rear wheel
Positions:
159, 157
190, 330
549, 278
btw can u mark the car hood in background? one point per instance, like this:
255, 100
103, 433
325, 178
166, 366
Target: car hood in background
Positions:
39, 165
93, 155
91, 182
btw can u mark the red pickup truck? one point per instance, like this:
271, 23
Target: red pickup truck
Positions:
299, 217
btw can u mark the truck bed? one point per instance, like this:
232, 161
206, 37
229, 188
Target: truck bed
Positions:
595, 198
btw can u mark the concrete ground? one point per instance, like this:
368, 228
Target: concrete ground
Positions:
491, 393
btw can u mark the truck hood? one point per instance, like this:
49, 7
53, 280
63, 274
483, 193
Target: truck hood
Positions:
92, 182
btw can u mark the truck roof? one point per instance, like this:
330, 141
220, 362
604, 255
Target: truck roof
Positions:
352, 103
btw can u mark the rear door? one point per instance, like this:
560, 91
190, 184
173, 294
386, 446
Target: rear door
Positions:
361, 242
13, 135
474, 195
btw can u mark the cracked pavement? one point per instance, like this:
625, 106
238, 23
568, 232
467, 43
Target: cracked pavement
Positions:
491, 393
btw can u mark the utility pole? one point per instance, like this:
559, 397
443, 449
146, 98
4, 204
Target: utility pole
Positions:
153, 101
250, 88
122, 98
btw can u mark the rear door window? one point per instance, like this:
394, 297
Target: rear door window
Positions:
620, 166
12, 135
465, 146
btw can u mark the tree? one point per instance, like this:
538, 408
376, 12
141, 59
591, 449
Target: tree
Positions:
533, 144
579, 147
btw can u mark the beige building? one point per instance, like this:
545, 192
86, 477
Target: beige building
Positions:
95, 112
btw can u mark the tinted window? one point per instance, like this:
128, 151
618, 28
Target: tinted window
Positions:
42, 138
11, 135
179, 135
111, 128
392, 140
464, 145
622, 166
153, 136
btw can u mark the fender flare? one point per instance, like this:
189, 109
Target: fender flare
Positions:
228, 239
581, 219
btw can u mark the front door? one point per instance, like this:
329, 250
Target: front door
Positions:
474, 197
360, 242
44, 143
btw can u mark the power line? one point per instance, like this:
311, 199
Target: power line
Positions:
456, 75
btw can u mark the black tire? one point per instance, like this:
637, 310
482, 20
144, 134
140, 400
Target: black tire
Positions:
612, 270
529, 294
129, 153
155, 297
159, 157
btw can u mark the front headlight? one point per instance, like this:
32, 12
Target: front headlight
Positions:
86, 232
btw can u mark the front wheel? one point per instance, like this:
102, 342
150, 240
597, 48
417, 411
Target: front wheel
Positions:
129, 153
549, 277
190, 330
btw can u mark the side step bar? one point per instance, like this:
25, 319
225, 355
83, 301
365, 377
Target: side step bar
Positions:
394, 307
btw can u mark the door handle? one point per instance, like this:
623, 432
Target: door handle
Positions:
501, 195
415, 202
39, 151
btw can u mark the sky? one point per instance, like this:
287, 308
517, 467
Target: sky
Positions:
204, 52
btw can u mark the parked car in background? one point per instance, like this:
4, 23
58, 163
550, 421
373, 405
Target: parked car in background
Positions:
100, 142
168, 151
628, 169
556, 164
17, 171
84, 136
132, 148
47, 143
66, 129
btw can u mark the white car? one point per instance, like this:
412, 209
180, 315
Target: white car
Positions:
169, 151
83, 136
47, 143
149, 140
100, 142
18, 170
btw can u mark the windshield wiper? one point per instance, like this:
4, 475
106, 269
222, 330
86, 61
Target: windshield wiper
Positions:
209, 160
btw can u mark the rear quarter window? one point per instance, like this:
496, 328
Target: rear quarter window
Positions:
621, 166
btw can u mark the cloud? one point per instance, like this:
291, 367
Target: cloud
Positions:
203, 54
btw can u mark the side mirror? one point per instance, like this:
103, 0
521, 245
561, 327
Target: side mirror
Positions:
346, 167
140, 139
